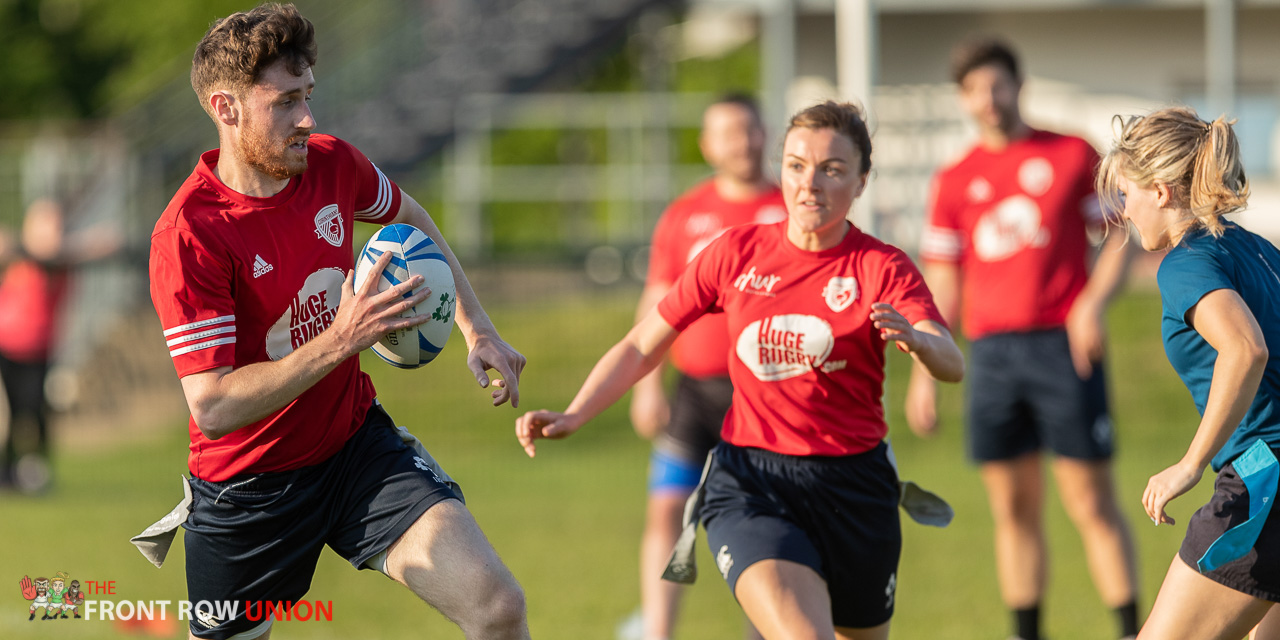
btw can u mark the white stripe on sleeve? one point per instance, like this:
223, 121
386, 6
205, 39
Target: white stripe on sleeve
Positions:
201, 345
940, 244
382, 203
201, 335
198, 324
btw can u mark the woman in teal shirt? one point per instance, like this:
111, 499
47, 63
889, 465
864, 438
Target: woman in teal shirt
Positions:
1174, 177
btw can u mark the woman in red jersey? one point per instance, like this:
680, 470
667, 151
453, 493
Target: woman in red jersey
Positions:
800, 500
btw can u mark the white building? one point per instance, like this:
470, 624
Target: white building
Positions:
1085, 61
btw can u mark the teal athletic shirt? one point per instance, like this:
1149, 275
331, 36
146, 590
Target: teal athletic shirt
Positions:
1248, 264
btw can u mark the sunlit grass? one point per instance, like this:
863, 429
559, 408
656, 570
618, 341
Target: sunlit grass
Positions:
568, 522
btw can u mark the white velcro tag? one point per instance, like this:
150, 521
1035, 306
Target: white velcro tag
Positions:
682, 567
155, 541
923, 506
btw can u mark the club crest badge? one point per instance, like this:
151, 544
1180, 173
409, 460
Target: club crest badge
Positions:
329, 225
840, 293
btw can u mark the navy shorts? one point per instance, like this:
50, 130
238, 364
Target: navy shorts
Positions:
697, 416
257, 538
838, 516
1024, 394
1258, 572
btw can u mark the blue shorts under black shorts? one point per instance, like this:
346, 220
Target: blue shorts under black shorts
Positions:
835, 515
1024, 394
697, 416
257, 538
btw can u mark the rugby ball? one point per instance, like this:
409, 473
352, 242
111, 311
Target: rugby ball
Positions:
413, 253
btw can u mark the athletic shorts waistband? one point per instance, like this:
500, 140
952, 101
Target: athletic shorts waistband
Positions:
787, 458
257, 482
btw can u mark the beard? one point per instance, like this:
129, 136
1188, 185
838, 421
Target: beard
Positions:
1007, 118
742, 168
272, 158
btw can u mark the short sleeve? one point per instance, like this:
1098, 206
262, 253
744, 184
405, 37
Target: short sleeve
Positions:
941, 240
665, 262
696, 291
377, 197
1188, 274
905, 289
191, 291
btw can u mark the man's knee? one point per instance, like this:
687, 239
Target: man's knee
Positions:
508, 604
501, 609
665, 513
1094, 511
1015, 490
1087, 493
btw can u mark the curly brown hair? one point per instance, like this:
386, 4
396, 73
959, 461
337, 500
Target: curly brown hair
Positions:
235, 50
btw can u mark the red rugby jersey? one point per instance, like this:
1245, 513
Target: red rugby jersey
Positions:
31, 299
238, 280
688, 225
1015, 221
807, 364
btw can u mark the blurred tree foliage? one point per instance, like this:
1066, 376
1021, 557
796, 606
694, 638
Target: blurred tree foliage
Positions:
85, 58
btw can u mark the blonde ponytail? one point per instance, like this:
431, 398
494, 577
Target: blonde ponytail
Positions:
1198, 160
1218, 184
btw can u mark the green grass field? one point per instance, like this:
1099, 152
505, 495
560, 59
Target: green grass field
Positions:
568, 523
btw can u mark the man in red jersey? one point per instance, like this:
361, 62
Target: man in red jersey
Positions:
1007, 249
251, 275
685, 430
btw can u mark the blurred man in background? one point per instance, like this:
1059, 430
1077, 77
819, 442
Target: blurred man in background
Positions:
1007, 250
36, 272
686, 428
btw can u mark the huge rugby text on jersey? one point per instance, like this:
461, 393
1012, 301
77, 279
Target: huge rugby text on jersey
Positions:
310, 312
785, 346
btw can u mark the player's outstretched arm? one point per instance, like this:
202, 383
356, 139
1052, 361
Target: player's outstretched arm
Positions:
928, 342
486, 350
638, 353
1225, 322
224, 399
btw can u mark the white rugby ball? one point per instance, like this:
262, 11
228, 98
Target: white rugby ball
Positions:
413, 253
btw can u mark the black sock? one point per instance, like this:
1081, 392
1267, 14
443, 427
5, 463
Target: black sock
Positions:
1027, 622
1128, 615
